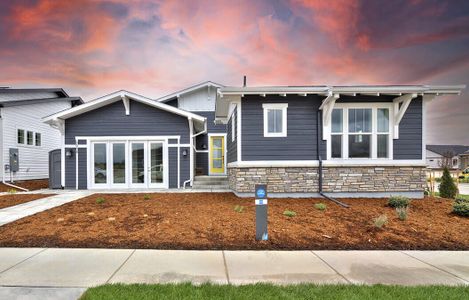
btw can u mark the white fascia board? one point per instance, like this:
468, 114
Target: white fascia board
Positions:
100, 102
329, 163
188, 90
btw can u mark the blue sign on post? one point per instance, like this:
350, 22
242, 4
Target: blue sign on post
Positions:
261, 212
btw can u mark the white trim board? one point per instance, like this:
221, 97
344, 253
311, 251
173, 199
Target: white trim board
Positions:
328, 163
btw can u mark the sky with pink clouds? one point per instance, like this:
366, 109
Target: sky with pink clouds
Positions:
91, 48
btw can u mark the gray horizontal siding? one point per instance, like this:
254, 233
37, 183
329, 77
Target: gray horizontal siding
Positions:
111, 120
201, 140
301, 140
232, 147
70, 164
409, 144
173, 166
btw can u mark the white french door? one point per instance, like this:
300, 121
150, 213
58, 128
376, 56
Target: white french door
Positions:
129, 164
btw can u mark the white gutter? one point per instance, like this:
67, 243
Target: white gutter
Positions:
193, 148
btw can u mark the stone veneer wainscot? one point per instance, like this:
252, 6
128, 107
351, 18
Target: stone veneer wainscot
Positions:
335, 179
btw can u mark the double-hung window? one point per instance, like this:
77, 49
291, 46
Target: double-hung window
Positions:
275, 119
360, 131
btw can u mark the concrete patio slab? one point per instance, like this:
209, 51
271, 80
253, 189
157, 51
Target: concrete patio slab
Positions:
28, 293
12, 256
171, 266
66, 268
385, 267
278, 267
454, 262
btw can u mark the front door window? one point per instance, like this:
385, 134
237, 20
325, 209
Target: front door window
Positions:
217, 155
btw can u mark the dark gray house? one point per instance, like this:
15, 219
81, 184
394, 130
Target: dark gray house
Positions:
367, 141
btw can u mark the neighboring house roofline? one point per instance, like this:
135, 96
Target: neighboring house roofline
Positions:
444, 149
188, 90
124, 96
9, 103
34, 90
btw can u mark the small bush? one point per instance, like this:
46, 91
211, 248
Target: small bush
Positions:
380, 221
146, 197
398, 201
12, 191
100, 200
289, 213
402, 213
461, 208
238, 208
447, 187
461, 199
320, 206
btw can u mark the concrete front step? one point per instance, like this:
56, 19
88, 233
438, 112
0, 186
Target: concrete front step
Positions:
210, 178
211, 187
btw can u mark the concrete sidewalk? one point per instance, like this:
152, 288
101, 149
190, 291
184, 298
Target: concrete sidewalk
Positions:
81, 268
13, 213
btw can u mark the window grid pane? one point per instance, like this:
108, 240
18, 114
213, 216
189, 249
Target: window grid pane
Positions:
30, 138
38, 139
100, 163
383, 120
359, 120
336, 146
359, 146
337, 122
274, 120
383, 145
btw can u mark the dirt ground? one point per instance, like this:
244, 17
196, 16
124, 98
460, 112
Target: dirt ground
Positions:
31, 185
209, 221
15, 199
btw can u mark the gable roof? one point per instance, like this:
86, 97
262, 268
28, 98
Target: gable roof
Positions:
119, 96
188, 90
444, 149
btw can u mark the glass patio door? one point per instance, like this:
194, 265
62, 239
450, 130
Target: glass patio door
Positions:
156, 168
138, 176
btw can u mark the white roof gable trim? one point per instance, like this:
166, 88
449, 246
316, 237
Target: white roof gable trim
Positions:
124, 96
189, 90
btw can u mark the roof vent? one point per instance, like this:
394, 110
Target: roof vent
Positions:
244, 81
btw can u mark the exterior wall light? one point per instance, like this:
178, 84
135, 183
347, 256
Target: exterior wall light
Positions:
69, 153
184, 153
204, 146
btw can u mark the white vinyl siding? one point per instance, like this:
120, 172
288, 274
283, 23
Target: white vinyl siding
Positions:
33, 160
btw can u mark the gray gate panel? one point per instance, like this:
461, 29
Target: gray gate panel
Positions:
55, 169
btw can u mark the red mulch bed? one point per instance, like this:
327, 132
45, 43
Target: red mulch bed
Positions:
208, 221
31, 185
15, 199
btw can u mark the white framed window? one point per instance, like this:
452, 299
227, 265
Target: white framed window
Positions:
275, 119
361, 131
38, 140
20, 136
30, 138
233, 127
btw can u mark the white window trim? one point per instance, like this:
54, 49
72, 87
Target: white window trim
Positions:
283, 107
374, 133
233, 136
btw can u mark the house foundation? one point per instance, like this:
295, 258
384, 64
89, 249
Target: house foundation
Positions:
354, 181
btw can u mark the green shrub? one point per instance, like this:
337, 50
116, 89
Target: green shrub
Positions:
447, 187
12, 191
461, 199
398, 201
146, 197
239, 208
320, 206
100, 200
461, 208
289, 213
402, 212
380, 221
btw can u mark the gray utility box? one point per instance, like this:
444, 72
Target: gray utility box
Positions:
14, 160
261, 212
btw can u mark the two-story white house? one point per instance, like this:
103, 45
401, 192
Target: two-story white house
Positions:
25, 141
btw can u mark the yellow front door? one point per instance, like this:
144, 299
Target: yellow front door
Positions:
217, 155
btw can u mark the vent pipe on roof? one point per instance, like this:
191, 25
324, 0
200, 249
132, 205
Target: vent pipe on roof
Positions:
244, 81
